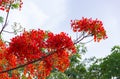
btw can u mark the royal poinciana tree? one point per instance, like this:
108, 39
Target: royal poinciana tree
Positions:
35, 53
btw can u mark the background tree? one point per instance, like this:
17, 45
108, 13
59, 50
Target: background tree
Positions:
110, 66
94, 70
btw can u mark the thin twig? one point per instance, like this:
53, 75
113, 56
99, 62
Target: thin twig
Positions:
6, 19
79, 36
77, 41
86, 42
7, 31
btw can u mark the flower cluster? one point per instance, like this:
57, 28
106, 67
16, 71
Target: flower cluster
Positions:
60, 41
91, 27
36, 44
7, 61
28, 45
7, 4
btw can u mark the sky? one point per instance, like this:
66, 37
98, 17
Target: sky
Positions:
55, 15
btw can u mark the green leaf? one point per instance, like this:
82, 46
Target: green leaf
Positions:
1, 19
15, 6
0, 36
58, 75
24, 77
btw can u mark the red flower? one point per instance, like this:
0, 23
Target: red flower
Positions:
91, 27
28, 45
60, 41
36, 44
4, 4
61, 60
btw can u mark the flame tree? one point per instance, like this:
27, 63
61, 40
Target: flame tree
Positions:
35, 53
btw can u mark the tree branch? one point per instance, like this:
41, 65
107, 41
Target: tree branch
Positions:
6, 19
7, 31
82, 34
80, 39
86, 42
40, 59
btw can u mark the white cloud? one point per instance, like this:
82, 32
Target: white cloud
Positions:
44, 14
56, 12
33, 14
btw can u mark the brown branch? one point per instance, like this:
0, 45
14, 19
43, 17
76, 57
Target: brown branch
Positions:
6, 19
77, 41
79, 36
40, 59
86, 42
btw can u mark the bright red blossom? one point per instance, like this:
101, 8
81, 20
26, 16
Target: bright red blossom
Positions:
61, 60
60, 41
6, 4
36, 44
91, 27
7, 61
28, 45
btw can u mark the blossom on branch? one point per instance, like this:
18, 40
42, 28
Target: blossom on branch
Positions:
55, 49
91, 27
7, 4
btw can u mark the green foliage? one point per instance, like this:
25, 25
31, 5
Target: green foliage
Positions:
57, 75
110, 67
17, 28
81, 49
24, 77
76, 72
15, 6
116, 49
93, 72
1, 19
105, 68
75, 59
77, 69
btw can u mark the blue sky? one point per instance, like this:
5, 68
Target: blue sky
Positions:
55, 15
